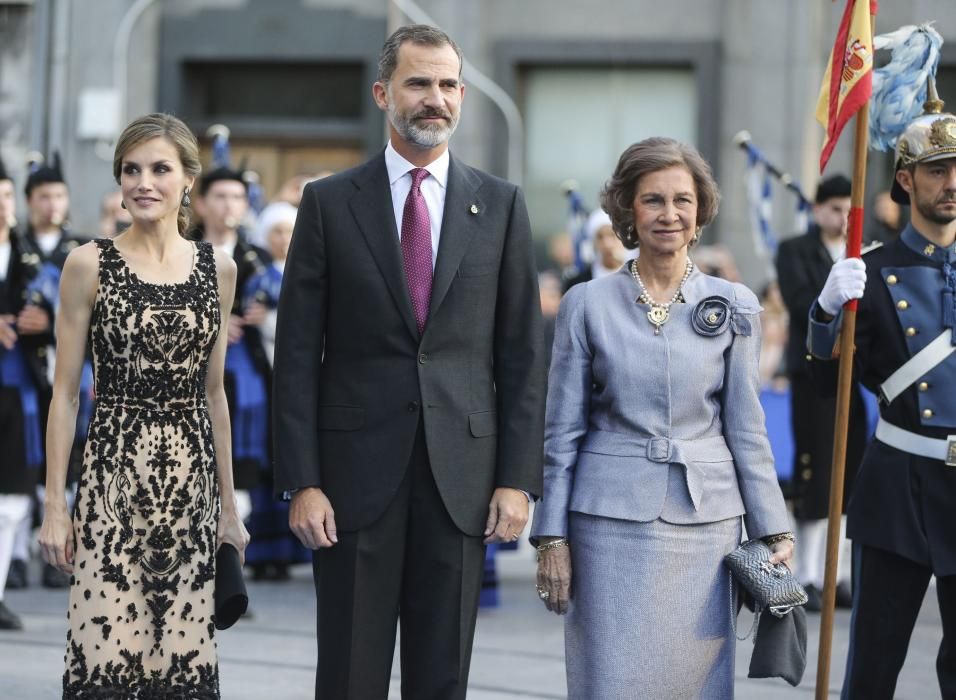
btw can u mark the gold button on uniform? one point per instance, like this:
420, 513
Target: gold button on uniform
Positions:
927, 413
805, 458
891, 279
910, 332
902, 305
806, 474
923, 386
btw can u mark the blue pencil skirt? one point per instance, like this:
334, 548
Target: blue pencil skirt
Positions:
650, 614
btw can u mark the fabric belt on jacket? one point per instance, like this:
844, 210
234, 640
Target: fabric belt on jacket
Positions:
915, 444
686, 453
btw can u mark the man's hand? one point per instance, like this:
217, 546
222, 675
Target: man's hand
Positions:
8, 335
507, 515
255, 314
846, 281
33, 320
312, 519
235, 329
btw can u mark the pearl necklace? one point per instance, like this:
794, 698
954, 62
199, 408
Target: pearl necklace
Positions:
660, 312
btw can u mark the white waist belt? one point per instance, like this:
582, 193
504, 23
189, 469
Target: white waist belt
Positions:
933, 448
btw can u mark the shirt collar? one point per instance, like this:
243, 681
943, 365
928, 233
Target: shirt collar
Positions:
914, 240
398, 167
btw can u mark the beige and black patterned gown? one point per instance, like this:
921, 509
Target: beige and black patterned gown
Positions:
141, 603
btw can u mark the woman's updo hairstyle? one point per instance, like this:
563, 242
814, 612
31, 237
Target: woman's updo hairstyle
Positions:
166, 126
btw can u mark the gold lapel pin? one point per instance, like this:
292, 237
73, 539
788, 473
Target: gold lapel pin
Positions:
474, 209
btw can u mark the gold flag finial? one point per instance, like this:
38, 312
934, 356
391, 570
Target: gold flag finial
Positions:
933, 104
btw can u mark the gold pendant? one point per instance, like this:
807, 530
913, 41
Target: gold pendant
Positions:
658, 316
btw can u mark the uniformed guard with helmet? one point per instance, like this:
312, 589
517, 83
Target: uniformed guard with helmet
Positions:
902, 513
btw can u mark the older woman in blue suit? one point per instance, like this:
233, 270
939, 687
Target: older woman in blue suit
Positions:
656, 452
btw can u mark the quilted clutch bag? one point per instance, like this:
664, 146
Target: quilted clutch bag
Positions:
772, 586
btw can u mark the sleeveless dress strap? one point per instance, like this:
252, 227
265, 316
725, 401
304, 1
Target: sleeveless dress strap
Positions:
111, 262
206, 263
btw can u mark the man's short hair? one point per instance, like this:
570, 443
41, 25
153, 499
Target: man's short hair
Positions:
421, 34
834, 186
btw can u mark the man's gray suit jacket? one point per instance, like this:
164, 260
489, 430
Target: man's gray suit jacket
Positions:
353, 379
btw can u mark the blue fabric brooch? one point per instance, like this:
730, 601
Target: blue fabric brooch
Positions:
714, 315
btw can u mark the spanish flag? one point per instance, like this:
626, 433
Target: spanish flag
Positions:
848, 80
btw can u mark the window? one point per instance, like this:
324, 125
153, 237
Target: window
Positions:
301, 91
579, 120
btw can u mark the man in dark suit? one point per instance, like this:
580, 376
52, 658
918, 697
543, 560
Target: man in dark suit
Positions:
23, 379
222, 203
803, 263
409, 386
46, 241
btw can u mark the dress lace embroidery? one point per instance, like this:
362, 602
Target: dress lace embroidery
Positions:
141, 600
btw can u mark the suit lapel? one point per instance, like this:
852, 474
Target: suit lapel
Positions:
462, 219
371, 206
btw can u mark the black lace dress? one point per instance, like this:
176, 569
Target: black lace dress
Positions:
141, 602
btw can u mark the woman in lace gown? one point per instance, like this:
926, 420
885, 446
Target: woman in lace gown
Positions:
156, 496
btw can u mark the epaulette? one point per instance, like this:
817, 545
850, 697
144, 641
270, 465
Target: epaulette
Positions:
873, 246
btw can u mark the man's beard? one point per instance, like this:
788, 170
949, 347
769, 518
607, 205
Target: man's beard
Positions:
929, 212
423, 136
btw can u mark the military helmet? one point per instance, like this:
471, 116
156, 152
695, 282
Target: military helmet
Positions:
931, 136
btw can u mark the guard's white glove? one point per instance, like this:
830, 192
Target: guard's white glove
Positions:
846, 281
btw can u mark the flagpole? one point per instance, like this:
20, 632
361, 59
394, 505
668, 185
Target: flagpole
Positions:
854, 244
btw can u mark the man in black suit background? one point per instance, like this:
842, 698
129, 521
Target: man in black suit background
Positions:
409, 386
47, 240
803, 263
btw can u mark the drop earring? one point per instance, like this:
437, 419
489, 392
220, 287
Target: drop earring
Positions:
186, 200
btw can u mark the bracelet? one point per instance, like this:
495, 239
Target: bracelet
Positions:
773, 539
554, 544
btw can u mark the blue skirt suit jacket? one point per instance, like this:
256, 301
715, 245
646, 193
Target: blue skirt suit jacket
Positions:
642, 427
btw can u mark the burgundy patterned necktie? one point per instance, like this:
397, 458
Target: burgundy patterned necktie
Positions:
417, 248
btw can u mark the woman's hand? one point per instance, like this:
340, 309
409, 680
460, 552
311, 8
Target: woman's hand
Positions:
554, 578
782, 553
232, 531
57, 542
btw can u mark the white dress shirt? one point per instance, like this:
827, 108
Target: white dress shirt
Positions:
47, 242
228, 248
5, 249
433, 190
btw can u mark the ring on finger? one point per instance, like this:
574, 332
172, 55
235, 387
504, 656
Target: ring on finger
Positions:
543, 593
